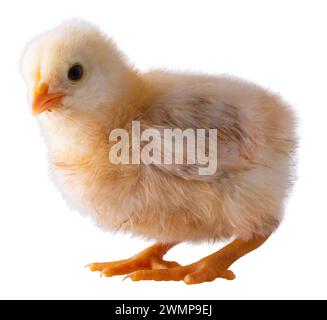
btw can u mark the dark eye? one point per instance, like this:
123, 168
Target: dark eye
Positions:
75, 73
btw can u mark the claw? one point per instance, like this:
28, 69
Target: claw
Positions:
128, 276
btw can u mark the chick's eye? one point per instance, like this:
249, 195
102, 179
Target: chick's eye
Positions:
75, 73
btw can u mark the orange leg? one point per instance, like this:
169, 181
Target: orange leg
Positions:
207, 269
151, 258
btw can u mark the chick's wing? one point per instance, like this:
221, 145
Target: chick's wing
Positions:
234, 137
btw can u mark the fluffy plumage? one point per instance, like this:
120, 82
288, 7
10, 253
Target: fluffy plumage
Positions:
168, 203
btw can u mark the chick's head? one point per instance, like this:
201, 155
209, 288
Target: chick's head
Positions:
73, 67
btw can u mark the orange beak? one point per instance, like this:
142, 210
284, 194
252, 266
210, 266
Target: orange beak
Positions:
42, 100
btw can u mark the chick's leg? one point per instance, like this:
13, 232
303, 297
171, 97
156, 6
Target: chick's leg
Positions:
150, 258
207, 269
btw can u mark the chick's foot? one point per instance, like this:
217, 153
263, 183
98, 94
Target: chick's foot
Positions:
201, 271
149, 259
207, 269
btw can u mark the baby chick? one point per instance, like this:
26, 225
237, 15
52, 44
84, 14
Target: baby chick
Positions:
81, 88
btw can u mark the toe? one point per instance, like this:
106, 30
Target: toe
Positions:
120, 269
173, 274
171, 264
207, 275
198, 277
228, 275
162, 264
99, 266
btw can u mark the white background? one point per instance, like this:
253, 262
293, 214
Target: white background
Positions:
278, 44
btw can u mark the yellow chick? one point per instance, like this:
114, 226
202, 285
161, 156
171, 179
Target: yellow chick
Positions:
81, 89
